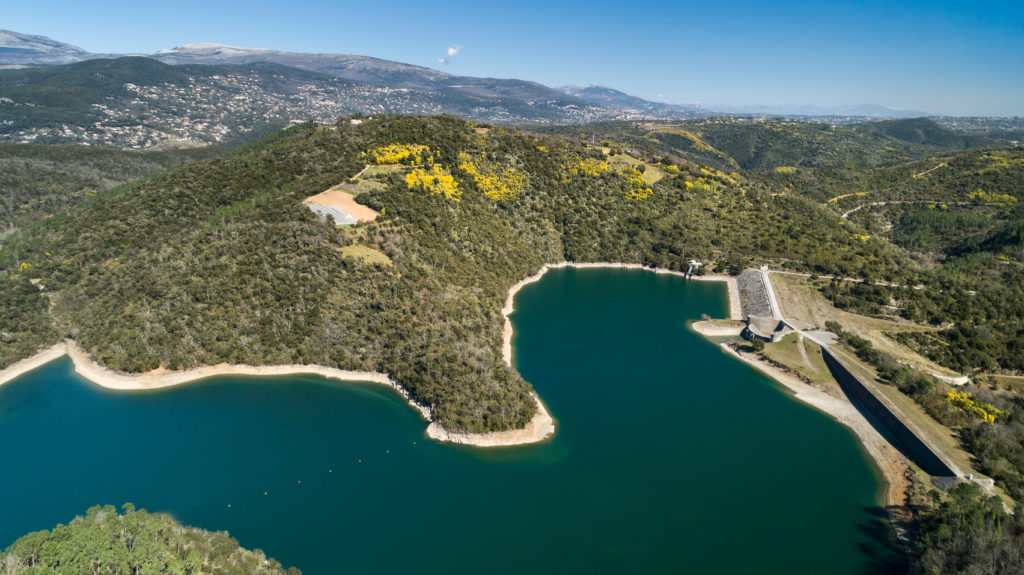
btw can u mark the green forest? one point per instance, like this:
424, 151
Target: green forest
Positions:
132, 542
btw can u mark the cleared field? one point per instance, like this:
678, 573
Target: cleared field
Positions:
375, 170
801, 300
344, 202
651, 173
1012, 382
802, 356
366, 253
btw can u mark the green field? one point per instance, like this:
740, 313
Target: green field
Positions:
802, 356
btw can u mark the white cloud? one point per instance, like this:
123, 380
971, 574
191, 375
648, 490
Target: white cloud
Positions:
451, 52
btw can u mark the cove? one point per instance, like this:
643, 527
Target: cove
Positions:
670, 457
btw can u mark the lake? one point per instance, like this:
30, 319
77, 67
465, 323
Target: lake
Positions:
670, 456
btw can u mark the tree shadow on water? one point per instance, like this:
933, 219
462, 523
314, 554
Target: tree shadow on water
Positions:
883, 550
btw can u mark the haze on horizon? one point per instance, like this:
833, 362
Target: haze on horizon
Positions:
940, 57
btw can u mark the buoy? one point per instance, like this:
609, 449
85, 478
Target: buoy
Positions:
359, 461
264, 492
300, 482
387, 451
330, 471
229, 505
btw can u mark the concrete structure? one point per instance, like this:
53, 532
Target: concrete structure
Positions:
771, 329
341, 217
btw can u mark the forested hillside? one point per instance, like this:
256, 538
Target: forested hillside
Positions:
131, 542
38, 181
219, 261
766, 144
961, 217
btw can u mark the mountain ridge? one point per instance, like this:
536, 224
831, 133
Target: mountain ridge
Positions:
18, 50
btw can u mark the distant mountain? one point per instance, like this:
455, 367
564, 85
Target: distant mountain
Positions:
25, 49
136, 102
213, 93
810, 110
614, 99
349, 66
370, 70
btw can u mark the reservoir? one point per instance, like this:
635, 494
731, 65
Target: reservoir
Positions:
670, 457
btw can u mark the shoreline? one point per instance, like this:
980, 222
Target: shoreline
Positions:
107, 378
735, 311
541, 427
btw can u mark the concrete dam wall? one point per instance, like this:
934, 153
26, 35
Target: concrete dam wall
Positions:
908, 441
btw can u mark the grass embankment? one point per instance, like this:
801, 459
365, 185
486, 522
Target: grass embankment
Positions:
367, 254
802, 356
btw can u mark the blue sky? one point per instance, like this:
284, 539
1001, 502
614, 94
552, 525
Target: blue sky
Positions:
957, 58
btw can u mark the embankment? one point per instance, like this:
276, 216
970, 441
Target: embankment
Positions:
910, 441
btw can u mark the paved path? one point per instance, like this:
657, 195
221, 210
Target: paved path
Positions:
772, 302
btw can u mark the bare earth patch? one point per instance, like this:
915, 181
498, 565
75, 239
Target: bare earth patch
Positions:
343, 202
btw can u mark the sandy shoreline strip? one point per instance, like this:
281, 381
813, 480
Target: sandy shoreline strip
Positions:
711, 329
21, 367
107, 378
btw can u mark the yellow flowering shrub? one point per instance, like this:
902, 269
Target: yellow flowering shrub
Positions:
991, 198
785, 170
702, 185
435, 181
964, 401
638, 188
590, 167
496, 182
401, 154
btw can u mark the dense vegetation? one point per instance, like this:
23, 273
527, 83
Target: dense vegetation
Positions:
38, 181
962, 218
219, 261
971, 533
760, 144
132, 543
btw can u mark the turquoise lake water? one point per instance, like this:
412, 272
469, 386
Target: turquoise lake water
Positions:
670, 457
